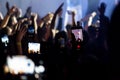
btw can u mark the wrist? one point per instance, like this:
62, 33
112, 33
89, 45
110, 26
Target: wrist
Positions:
8, 13
18, 43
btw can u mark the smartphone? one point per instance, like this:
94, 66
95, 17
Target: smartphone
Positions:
78, 33
33, 48
31, 30
5, 40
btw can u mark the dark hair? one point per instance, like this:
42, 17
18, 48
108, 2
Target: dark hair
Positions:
102, 7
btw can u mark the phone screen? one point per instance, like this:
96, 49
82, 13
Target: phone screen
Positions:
5, 40
78, 34
31, 29
33, 48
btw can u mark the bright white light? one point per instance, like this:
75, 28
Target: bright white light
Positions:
93, 14
39, 69
5, 39
20, 64
35, 47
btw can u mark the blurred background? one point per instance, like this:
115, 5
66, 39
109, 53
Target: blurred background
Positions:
43, 7
55, 39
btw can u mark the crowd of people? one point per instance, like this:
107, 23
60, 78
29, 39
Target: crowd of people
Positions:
64, 56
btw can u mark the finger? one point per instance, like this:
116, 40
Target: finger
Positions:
24, 29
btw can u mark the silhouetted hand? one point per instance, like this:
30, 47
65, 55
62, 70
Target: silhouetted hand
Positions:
59, 8
18, 25
7, 6
12, 10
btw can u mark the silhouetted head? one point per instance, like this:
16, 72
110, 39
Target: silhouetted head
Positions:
102, 8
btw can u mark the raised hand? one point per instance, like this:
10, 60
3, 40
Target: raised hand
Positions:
7, 6
12, 10
59, 8
21, 33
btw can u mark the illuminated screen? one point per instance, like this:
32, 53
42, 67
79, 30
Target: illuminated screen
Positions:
78, 34
5, 39
33, 47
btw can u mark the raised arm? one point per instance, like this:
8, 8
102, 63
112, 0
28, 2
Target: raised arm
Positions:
88, 19
34, 15
7, 17
55, 15
73, 19
21, 32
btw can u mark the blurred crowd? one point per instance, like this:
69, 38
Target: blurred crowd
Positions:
65, 57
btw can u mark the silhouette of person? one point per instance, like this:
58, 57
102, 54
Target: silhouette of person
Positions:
113, 43
102, 32
104, 22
